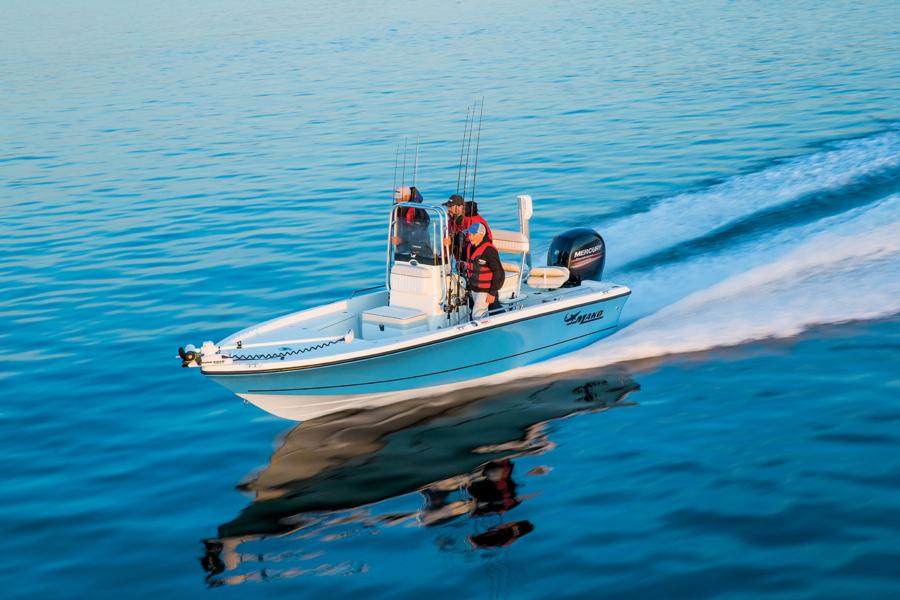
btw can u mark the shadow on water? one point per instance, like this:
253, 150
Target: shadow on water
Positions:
457, 451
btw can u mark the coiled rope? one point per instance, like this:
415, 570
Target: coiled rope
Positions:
281, 355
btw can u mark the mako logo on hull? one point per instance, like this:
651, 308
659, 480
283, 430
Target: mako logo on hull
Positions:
580, 318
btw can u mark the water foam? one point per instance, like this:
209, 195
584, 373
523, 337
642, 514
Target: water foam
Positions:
845, 272
671, 282
839, 268
688, 216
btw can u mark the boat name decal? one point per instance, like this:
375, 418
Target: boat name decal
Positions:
580, 318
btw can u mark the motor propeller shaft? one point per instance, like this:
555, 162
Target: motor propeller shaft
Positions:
190, 357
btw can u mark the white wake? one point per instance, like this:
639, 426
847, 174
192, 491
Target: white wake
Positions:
842, 268
848, 272
690, 215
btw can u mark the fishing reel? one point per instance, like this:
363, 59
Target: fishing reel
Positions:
190, 356
457, 294
454, 302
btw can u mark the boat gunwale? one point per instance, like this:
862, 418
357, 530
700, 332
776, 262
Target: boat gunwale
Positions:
440, 336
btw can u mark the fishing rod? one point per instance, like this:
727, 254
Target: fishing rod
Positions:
396, 162
403, 176
466, 181
455, 250
416, 168
461, 148
468, 151
477, 145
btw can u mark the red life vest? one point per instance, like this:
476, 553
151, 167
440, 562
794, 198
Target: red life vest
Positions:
407, 214
479, 276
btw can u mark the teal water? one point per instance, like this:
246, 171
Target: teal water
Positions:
171, 173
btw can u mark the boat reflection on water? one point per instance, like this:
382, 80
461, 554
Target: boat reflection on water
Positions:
456, 451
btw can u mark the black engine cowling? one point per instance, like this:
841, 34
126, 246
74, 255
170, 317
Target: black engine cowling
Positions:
582, 251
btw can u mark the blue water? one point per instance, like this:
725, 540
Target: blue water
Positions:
171, 173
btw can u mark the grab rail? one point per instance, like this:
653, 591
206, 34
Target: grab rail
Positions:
368, 289
242, 346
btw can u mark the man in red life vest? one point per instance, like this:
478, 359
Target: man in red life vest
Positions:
484, 272
462, 215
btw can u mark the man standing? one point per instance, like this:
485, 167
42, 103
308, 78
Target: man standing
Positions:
407, 194
409, 220
462, 215
484, 272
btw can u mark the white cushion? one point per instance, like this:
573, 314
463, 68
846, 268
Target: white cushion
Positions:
509, 241
511, 267
393, 314
549, 272
547, 278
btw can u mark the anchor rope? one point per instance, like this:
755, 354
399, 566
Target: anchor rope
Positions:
281, 355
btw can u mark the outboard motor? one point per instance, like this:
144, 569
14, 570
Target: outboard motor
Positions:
582, 251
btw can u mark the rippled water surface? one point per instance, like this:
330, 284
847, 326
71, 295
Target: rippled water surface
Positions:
172, 172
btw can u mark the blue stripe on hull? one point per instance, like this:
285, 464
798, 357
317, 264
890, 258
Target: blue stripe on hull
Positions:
478, 354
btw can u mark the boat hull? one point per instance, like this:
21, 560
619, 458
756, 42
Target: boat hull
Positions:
428, 369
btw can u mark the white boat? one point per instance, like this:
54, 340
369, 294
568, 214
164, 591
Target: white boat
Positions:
415, 336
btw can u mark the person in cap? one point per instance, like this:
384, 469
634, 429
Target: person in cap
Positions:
462, 215
483, 270
407, 194
409, 219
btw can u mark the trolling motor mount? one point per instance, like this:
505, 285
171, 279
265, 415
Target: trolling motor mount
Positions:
190, 356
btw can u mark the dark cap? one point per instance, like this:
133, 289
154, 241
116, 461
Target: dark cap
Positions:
455, 200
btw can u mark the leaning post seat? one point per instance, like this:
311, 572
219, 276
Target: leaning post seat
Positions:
515, 243
509, 241
518, 243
